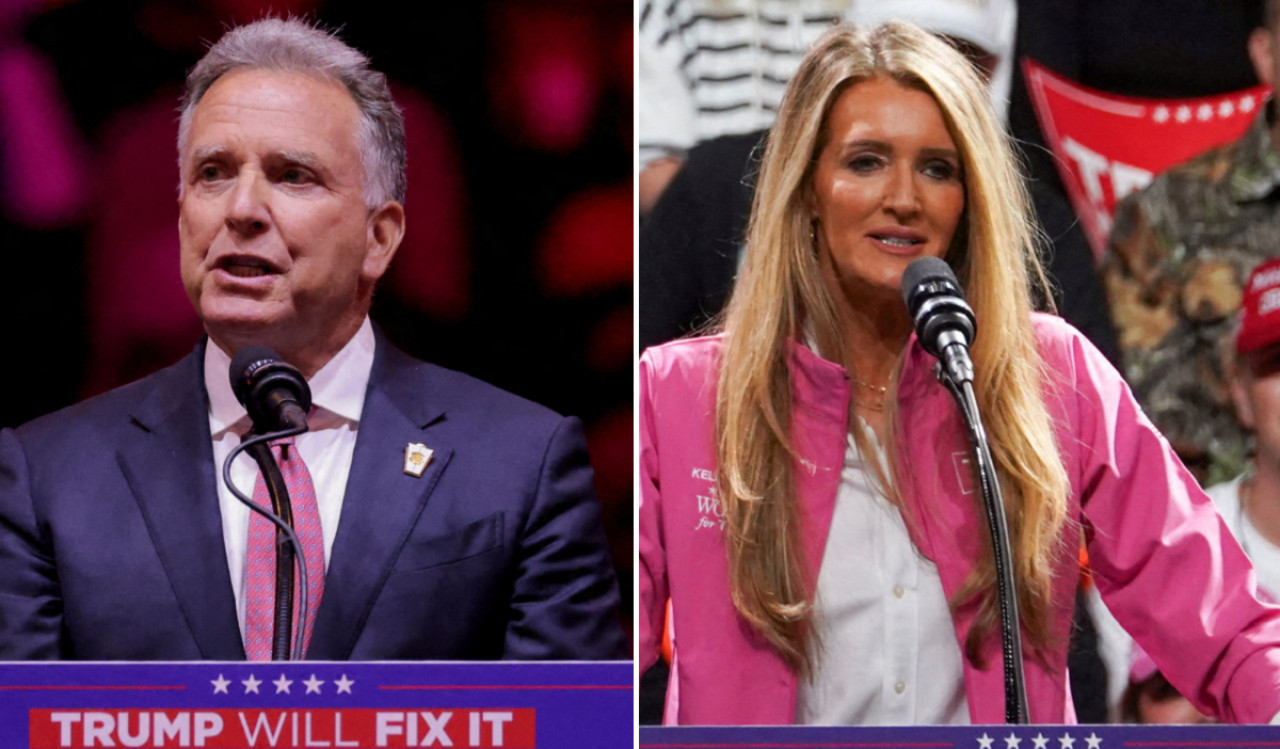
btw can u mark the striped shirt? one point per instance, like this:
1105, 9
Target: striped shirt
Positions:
718, 67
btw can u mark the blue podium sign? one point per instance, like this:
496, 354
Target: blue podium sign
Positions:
316, 704
962, 737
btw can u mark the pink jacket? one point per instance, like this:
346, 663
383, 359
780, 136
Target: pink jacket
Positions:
1163, 561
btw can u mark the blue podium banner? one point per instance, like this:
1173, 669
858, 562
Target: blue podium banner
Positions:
316, 704
963, 737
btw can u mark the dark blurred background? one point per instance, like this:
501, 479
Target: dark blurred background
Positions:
517, 263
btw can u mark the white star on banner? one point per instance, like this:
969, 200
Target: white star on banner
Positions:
1011, 742
220, 684
984, 741
344, 684
1161, 114
1094, 741
251, 684
1066, 741
1226, 109
1247, 104
1041, 741
1184, 113
282, 684
1204, 113
313, 684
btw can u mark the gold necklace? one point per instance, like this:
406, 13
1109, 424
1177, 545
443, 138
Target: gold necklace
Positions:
879, 391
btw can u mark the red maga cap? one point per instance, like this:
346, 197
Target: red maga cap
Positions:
1260, 310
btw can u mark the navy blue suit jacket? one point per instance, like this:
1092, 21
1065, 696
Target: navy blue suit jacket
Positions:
111, 539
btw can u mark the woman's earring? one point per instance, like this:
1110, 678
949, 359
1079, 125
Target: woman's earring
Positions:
813, 235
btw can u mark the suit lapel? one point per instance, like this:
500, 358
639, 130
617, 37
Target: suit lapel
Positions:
169, 466
381, 504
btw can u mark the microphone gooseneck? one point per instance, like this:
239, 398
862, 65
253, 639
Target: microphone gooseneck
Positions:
273, 391
288, 545
945, 326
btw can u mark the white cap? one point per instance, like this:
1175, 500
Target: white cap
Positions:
990, 24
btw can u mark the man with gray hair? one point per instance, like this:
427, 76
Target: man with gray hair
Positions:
439, 518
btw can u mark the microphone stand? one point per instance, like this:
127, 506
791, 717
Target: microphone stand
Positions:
1015, 691
288, 546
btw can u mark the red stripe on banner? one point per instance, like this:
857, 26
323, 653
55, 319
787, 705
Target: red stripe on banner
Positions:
468, 728
1107, 146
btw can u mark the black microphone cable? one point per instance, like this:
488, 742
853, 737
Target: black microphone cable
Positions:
283, 527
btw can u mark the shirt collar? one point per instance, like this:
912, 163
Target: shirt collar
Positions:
337, 390
1255, 164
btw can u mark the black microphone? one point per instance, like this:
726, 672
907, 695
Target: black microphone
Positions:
273, 391
944, 321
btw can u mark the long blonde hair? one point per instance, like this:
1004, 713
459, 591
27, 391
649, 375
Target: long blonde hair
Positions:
780, 292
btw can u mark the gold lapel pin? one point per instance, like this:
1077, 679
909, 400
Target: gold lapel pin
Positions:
417, 457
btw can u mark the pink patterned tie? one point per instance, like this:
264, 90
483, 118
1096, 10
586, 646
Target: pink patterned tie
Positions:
260, 567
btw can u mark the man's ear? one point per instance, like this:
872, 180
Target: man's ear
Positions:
386, 229
1262, 53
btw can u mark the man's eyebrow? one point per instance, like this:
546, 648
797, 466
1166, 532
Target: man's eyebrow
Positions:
204, 153
301, 158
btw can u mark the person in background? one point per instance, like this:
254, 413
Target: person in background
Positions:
1250, 503
1150, 698
708, 68
1179, 253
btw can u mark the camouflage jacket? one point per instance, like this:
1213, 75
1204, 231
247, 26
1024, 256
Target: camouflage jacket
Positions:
1179, 255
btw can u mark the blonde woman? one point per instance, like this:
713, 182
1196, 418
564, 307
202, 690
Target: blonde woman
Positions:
807, 505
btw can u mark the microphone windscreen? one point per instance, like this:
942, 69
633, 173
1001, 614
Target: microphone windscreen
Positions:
247, 361
923, 270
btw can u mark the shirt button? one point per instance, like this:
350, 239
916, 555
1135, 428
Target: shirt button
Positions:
898, 592
899, 687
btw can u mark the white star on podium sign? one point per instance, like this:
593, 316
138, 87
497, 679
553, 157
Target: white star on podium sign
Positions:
1093, 740
1041, 741
251, 684
1066, 741
313, 684
282, 684
220, 685
344, 684
984, 741
1011, 742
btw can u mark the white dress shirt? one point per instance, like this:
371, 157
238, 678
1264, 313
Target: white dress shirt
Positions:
337, 394
888, 653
